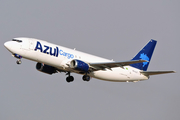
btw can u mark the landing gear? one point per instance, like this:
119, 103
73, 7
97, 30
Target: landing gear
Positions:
69, 78
19, 61
18, 57
86, 77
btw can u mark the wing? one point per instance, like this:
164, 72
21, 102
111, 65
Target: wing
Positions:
109, 65
147, 73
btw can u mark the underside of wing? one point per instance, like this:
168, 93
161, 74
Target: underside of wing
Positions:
109, 65
147, 73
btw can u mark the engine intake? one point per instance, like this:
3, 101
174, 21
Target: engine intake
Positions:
79, 65
45, 68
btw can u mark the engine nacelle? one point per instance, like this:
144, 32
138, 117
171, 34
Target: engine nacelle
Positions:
45, 68
79, 65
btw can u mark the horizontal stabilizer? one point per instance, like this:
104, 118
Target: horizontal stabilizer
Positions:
147, 73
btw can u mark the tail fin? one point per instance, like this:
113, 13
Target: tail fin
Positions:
145, 54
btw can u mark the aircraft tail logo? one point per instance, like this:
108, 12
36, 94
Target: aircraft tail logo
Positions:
144, 57
145, 54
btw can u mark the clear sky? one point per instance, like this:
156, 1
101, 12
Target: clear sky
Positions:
113, 29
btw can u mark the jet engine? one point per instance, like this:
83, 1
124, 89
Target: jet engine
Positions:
79, 65
45, 68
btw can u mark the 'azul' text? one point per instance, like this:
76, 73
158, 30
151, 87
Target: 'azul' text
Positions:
52, 51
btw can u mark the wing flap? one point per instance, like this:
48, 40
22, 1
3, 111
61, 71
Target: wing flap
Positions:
109, 65
147, 73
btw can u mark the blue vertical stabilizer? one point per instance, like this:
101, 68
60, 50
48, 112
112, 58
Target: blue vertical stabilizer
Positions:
145, 54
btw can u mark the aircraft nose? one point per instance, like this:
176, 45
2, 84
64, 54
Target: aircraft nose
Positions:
7, 45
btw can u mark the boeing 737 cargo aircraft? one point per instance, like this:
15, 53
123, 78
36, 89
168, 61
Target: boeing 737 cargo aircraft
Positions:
52, 58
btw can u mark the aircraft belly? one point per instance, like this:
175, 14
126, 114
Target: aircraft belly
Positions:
117, 75
111, 75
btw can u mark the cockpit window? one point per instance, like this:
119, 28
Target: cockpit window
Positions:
16, 40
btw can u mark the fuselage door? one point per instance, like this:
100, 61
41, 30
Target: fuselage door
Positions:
31, 44
25, 44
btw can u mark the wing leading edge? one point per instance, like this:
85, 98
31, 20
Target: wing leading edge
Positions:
109, 65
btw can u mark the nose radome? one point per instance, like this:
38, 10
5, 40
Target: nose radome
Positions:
7, 45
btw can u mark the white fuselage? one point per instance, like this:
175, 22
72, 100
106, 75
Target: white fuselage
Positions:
59, 57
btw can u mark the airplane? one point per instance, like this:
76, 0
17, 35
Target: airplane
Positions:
52, 59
